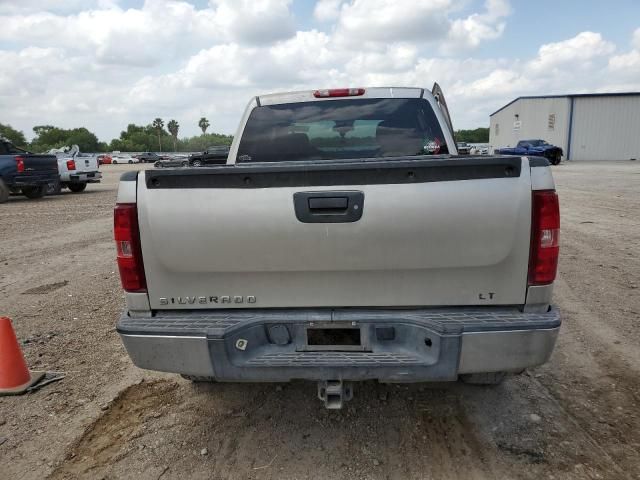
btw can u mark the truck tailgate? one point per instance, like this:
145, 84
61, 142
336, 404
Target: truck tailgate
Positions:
40, 163
451, 231
86, 163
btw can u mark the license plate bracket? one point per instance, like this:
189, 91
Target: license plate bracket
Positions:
333, 337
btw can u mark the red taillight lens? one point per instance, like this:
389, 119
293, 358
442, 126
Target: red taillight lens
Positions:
545, 237
127, 237
71, 164
339, 92
19, 164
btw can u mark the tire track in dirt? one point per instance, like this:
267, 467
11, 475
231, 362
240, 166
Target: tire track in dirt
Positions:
108, 440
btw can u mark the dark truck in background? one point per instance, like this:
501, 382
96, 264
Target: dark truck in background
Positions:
343, 240
211, 156
535, 148
24, 172
150, 157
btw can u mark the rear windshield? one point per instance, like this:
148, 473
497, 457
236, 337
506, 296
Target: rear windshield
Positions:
341, 129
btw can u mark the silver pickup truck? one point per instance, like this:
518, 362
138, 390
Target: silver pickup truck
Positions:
343, 240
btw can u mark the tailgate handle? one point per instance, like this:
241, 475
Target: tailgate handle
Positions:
328, 203
328, 207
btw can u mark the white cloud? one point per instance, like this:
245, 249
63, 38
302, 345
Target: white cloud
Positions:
627, 65
159, 30
254, 21
327, 10
470, 32
577, 52
393, 20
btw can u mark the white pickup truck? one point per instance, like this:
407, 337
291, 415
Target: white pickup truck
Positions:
344, 240
76, 169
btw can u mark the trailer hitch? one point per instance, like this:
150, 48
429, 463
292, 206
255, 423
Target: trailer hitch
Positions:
334, 393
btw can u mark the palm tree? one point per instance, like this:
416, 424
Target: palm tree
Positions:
158, 124
173, 128
203, 124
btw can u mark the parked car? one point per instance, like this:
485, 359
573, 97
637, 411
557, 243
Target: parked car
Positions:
76, 170
538, 148
104, 159
120, 158
211, 156
148, 157
341, 242
22, 172
463, 148
174, 162
479, 150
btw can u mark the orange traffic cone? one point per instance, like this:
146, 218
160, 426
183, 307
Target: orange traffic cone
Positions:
15, 377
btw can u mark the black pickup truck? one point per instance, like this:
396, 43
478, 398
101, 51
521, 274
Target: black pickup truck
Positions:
150, 157
211, 156
24, 172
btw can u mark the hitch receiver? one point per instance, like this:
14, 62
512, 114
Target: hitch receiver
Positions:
334, 393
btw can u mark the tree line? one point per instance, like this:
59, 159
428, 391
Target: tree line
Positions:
136, 138
479, 135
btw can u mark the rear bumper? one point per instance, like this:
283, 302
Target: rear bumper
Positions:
33, 179
83, 177
396, 345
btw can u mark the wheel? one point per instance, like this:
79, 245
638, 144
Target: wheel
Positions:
130, 161
54, 188
157, 164
556, 159
115, 162
197, 163
185, 164
198, 378
77, 187
34, 192
488, 378
4, 192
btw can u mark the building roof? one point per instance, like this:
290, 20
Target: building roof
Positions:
569, 95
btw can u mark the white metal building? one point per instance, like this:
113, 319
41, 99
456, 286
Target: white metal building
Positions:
598, 126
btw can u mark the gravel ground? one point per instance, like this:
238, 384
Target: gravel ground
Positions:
575, 417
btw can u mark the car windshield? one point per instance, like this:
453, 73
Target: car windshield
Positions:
341, 129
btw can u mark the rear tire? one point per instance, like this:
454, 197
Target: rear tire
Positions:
77, 187
488, 378
198, 378
556, 159
4, 192
34, 193
54, 188
197, 163
130, 161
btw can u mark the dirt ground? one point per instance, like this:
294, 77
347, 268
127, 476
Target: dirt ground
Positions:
576, 417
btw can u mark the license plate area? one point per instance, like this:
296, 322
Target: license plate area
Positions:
332, 337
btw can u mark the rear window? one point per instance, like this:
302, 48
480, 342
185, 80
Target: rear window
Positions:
7, 148
341, 129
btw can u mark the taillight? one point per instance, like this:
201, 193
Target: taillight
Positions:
545, 237
339, 92
71, 164
127, 237
19, 164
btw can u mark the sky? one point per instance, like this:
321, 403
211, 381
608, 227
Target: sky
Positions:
103, 64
